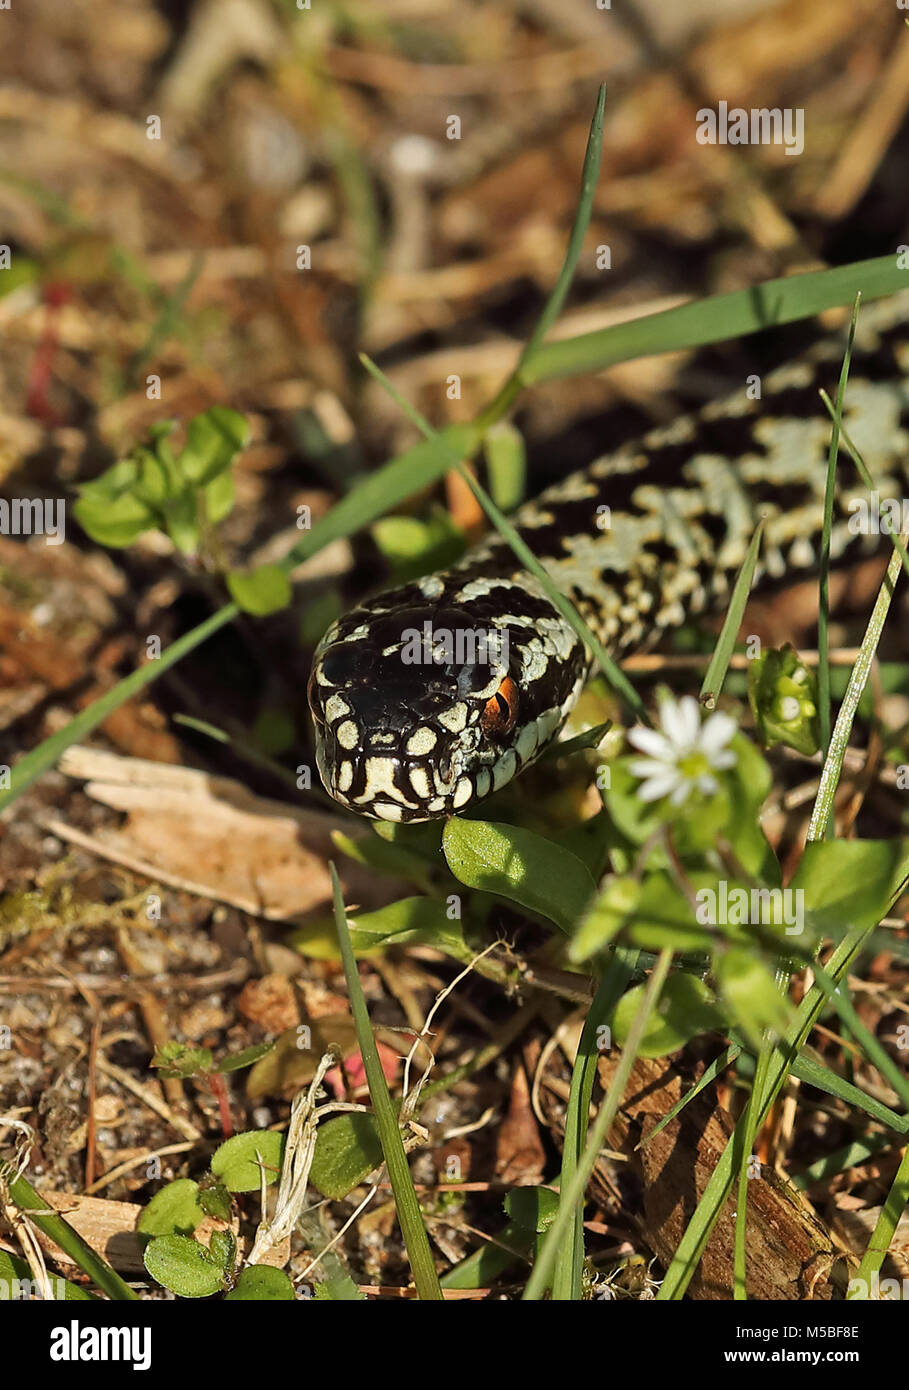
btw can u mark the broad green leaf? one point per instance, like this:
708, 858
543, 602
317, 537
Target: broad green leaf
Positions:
750, 993
184, 1266
113, 522
240, 1162
611, 911
219, 495
175, 1210
348, 1149
424, 920
213, 440
263, 1284
181, 521
685, 1009
533, 1208
215, 1200
260, 591
849, 883
521, 866
413, 547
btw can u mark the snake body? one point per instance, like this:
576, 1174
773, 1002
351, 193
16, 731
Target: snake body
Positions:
435, 694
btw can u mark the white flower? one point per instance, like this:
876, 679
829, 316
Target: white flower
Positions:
684, 753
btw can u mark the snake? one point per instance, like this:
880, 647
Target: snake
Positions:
431, 696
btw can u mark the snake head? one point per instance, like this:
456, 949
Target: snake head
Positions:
421, 707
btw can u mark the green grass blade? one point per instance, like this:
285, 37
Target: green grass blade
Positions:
833, 763
406, 1203
823, 615
884, 1230
572, 1194
566, 1283
715, 675
814, 1073
709, 1075
849, 1156
719, 317
40, 759
719, 1184
370, 499
553, 307
69, 1240
867, 479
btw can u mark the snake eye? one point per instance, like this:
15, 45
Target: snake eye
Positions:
502, 710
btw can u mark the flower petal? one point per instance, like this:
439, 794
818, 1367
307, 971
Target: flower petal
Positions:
661, 785
716, 733
653, 742
681, 721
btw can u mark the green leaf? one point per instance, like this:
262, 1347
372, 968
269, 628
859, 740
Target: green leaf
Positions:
158, 479
519, 865
116, 523
215, 1200
219, 496
213, 439
262, 1284
809, 1070
849, 883
260, 591
506, 460
241, 1161
246, 1058
342, 1290
717, 670
176, 1059
590, 738
685, 1009
407, 1205
180, 516
348, 1149
175, 1210
408, 921
223, 1249
184, 1266
414, 547
750, 993
718, 317
610, 913
532, 1208
293, 1060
